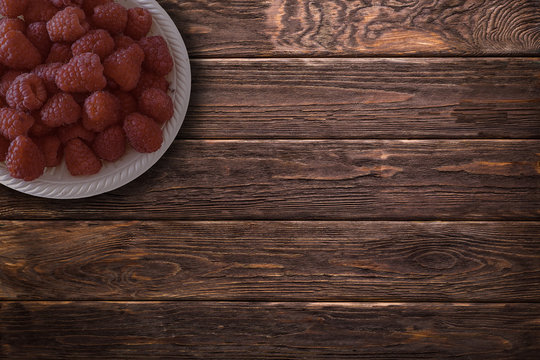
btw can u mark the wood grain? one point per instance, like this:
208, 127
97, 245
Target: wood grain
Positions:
357, 28
216, 330
317, 180
272, 261
364, 98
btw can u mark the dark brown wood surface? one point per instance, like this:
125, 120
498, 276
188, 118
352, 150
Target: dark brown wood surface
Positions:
322, 179
386, 261
355, 179
226, 28
364, 98
221, 330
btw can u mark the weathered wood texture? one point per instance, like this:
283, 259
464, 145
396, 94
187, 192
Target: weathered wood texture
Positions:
310, 180
203, 330
357, 27
365, 98
369, 261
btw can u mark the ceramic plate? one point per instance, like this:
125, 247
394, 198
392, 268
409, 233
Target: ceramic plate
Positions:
58, 183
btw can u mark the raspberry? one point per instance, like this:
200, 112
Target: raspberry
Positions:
157, 57
67, 25
4, 146
8, 24
39, 37
14, 123
96, 41
39, 10
73, 131
60, 110
39, 129
122, 41
59, 53
110, 144
80, 159
7, 79
139, 23
124, 67
112, 17
51, 147
157, 104
143, 133
100, 110
64, 3
149, 80
24, 159
89, 5
12, 8
47, 73
17, 52
128, 104
27, 92
83, 73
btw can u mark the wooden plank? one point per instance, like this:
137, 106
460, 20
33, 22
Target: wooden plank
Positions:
365, 98
390, 261
357, 28
317, 180
203, 330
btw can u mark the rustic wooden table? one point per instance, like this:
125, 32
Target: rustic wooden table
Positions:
355, 179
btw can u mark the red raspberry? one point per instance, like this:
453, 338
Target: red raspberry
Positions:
110, 144
7, 79
100, 110
128, 104
139, 23
111, 17
39, 129
14, 123
73, 131
12, 8
67, 25
122, 42
157, 57
64, 3
96, 41
83, 73
27, 92
59, 53
47, 73
4, 146
39, 37
60, 110
17, 52
124, 67
39, 10
80, 159
24, 159
143, 133
8, 24
89, 5
149, 80
157, 104
51, 147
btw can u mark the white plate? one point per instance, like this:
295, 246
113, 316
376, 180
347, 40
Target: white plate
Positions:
57, 183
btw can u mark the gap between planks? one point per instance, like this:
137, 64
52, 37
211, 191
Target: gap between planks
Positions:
325, 302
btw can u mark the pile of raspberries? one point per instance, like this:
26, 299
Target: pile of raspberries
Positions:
80, 80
